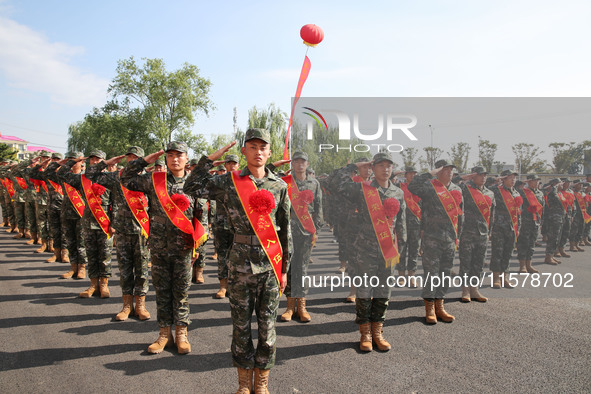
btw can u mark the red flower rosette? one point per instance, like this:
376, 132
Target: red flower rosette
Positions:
588, 198
181, 201
391, 206
488, 200
457, 195
519, 201
307, 196
357, 179
97, 189
262, 201
534, 209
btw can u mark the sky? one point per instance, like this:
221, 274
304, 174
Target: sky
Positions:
58, 57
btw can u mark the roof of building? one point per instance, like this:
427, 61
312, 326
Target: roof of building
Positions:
36, 148
10, 138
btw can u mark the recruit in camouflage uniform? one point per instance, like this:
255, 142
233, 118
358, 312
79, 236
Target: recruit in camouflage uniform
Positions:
98, 240
587, 230
8, 207
252, 280
554, 216
22, 170
19, 198
568, 219
531, 220
131, 240
439, 235
409, 250
369, 259
478, 220
41, 201
199, 263
578, 225
171, 249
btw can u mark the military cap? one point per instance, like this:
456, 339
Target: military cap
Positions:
300, 155
456, 179
519, 183
220, 168
98, 153
177, 146
259, 134
73, 155
233, 158
57, 155
554, 181
479, 170
410, 169
507, 173
362, 160
193, 162
159, 162
533, 177
577, 181
44, 153
379, 157
490, 181
443, 163
565, 179
586, 184
135, 150
310, 171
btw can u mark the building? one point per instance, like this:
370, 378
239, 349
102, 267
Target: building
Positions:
24, 149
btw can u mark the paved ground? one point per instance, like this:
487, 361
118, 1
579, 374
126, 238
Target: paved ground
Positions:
520, 341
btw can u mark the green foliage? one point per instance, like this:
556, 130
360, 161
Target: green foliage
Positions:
459, 156
7, 153
432, 154
486, 154
527, 158
274, 120
409, 157
568, 157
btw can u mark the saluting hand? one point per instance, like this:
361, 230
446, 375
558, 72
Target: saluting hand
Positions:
279, 163
436, 171
218, 162
220, 152
468, 177
114, 160
364, 164
151, 158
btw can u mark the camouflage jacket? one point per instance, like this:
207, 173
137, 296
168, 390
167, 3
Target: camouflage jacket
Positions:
56, 199
20, 171
411, 219
315, 209
526, 216
221, 188
570, 208
435, 221
554, 210
502, 217
36, 173
474, 221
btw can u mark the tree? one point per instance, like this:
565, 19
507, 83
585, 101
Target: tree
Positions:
275, 121
568, 157
168, 100
486, 154
409, 157
527, 158
432, 154
459, 155
7, 153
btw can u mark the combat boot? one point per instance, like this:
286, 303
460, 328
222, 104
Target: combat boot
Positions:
73, 270
291, 304
377, 330
164, 339
522, 268
441, 313
578, 246
223, 288
476, 296
465, 294
182, 343
343, 267
43, 247
506, 282
529, 267
5, 224
27, 234
430, 317
496, 280
244, 381
198, 274
50, 248
412, 281
57, 256
19, 234
127, 308
550, 259
587, 242
563, 253
33, 239
261, 381
352, 295
365, 343
92, 290
140, 308
81, 271
65, 256
104, 287
12, 228
302, 312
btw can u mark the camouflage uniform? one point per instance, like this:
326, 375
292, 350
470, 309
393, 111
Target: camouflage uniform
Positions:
56, 201
343, 215
503, 236
201, 212
568, 219
554, 216
578, 225
530, 226
253, 284
41, 201
27, 197
8, 207
409, 250
371, 302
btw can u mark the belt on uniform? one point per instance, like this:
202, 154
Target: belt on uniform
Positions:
246, 239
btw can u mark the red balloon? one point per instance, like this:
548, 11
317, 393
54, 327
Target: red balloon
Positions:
311, 34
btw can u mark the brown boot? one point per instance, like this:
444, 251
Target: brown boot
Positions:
476, 296
550, 259
441, 313
563, 253
81, 271
140, 308
244, 381
412, 282
261, 381
496, 280
27, 234
65, 256
529, 267
182, 343
164, 339
214, 256
578, 246
199, 275
50, 248
522, 268
12, 228
92, 290
573, 247
343, 267
302, 312
291, 304
33, 237
556, 260
43, 247
377, 330
465, 294
430, 317
352, 295
506, 282
57, 254
73, 270
587, 242
104, 287
19, 234
127, 308
223, 288
365, 343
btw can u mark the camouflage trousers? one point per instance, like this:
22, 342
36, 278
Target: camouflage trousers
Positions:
502, 243
133, 257
55, 228
200, 261
72, 229
42, 222
409, 250
553, 231
19, 213
298, 265
98, 253
345, 239
260, 293
171, 277
9, 212
31, 216
472, 252
438, 260
577, 229
587, 231
222, 240
372, 302
4, 205
528, 233
565, 233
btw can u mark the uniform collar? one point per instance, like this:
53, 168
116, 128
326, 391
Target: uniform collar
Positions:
268, 174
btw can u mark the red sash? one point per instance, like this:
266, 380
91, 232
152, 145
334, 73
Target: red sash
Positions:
261, 224
563, 200
37, 185
533, 202
412, 201
21, 182
449, 204
176, 216
512, 207
9, 187
581, 202
56, 187
94, 203
380, 224
75, 199
480, 202
301, 208
137, 206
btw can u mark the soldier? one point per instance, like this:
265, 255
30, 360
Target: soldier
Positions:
381, 220
580, 217
4, 196
96, 223
160, 165
21, 197
56, 198
306, 220
199, 263
30, 202
587, 230
568, 219
42, 200
259, 259
531, 220
554, 216
441, 223
479, 213
131, 225
172, 240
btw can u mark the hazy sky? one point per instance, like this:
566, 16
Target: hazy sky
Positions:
57, 57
